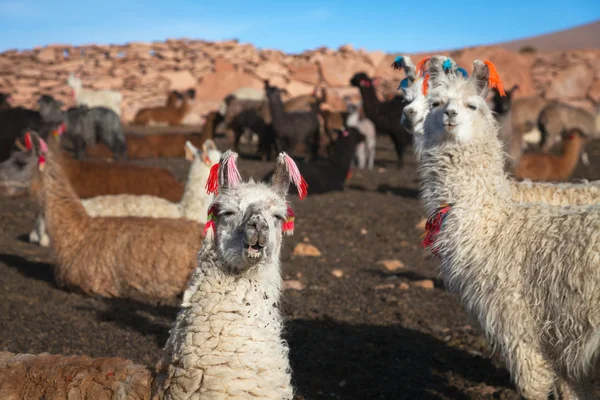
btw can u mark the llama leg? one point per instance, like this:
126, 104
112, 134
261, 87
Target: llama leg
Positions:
532, 374
575, 391
398, 145
79, 147
361, 155
371, 157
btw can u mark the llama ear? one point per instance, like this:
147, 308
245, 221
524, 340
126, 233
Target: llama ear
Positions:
208, 145
229, 176
286, 171
190, 151
481, 74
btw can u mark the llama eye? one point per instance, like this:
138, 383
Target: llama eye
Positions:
226, 213
472, 106
279, 217
435, 104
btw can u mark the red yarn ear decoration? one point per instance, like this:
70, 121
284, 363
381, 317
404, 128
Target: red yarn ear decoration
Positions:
421, 66
28, 144
212, 184
494, 78
426, 84
296, 177
288, 224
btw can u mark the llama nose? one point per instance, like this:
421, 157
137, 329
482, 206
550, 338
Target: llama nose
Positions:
450, 112
257, 231
409, 112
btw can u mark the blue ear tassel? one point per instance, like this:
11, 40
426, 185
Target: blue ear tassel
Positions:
403, 84
398, 63
463, 72
447, 65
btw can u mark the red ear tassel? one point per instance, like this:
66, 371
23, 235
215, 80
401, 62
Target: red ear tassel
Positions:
28, 141
421, 65
212, 184
494, 78
426, 84
288, 224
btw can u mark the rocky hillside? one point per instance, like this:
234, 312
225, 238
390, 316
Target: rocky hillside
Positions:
144, 72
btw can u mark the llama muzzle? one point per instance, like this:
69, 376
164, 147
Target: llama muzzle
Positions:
256, 237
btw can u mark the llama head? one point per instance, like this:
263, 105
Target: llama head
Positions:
74, 82
361, 80
458, 111
209, 154
502, 104
417, 107
190, 96
248, 219
50, 109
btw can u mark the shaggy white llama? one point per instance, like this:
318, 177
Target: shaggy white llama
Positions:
235, 291
95, 98
193, 205
413, 119
529, 273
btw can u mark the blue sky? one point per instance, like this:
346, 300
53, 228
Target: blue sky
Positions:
292, 26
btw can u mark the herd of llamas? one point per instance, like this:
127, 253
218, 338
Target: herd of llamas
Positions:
516, 242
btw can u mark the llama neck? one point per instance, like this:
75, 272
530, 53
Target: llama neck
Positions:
277, 109
195, 202
226, 341
370, 101
353, 119
470, 176
64, 214
570, 155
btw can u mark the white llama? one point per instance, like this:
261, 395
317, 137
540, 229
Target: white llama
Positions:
417, 109
529, 273
235, 291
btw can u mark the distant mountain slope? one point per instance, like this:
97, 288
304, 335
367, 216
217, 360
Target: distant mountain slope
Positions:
581, 37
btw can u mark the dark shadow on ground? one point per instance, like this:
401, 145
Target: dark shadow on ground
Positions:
337, 360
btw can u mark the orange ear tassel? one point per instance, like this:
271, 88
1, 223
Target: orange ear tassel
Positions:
421, 65
494, 78
426, 84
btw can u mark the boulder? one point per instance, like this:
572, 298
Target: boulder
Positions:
181, 80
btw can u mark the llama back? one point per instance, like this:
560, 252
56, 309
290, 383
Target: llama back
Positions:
92, 179
131, 205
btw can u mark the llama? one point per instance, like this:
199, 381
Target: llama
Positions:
238, 269
413, 119
365, 151
550, 167
526, 272
227, 340
385, 115
15, 122
503, 109
112, 256
173, 113
84, 126
94, 98
158, 115
293, 128
557, 118
193, 205
329, 175
141, 147
243, 93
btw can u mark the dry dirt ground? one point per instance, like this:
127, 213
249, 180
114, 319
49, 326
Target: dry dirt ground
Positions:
369, 334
